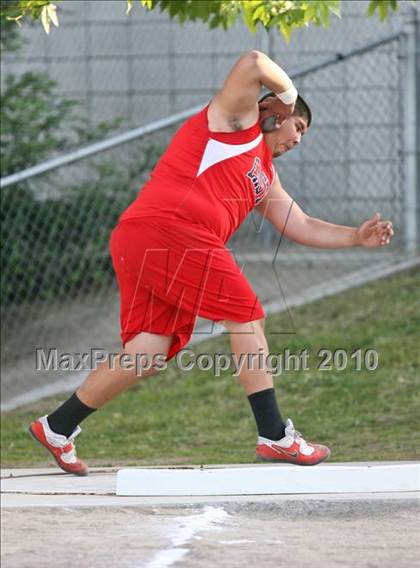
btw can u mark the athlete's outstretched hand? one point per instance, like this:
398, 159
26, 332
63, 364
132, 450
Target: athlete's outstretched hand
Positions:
374, 232
275, 108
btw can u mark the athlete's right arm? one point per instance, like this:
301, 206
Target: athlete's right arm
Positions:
235, 107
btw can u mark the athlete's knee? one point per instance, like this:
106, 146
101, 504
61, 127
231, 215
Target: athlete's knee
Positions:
132, 366
147, 353
149, 366
142, 373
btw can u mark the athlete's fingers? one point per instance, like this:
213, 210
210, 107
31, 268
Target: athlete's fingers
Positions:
387, 229
268, 100
266, 104
384, 228
385, 224
372, 222
385, 238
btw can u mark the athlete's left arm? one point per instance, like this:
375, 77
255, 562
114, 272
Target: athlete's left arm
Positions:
289, 219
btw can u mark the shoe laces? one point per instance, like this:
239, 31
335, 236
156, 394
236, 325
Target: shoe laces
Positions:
297, 437
302, 443
70, 455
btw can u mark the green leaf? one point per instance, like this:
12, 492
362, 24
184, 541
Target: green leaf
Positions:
383, 10
45, 20
248, 18
260, 13
52, 14
285, 30
372, 7
334, 8
324, 15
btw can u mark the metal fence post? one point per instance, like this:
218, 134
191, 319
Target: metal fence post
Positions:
410, 139
417, 98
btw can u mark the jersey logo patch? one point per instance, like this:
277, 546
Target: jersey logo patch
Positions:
259, 180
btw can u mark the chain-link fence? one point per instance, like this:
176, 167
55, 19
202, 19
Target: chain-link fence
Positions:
58, 285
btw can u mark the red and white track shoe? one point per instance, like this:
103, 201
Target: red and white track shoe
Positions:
291, 449
61, 448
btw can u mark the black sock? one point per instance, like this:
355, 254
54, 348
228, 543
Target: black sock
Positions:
267, 415
66, 418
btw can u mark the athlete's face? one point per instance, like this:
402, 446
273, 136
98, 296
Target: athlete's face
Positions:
287, 136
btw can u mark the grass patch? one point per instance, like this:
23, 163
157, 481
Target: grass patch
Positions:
194, 417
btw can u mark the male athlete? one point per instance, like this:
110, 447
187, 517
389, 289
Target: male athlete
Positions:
169, 253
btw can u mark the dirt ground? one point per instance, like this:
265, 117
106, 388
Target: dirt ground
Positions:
299, 533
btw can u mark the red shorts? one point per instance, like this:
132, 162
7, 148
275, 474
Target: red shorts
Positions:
169, 272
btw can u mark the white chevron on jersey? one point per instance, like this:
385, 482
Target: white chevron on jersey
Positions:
216, 152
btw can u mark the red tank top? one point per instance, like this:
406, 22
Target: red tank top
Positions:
213, 179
